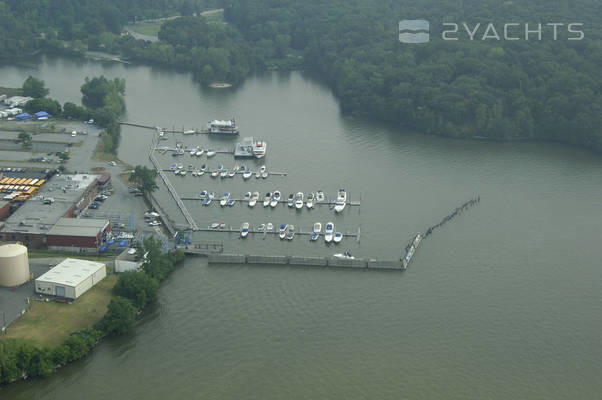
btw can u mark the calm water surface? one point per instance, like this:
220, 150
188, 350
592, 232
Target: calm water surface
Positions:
504, 302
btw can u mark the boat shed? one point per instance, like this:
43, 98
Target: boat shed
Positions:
71, 278
78, 234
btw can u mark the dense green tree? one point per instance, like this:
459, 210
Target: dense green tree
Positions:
136, 286
71, 110
144, 178
51, 106
34, 87
119, 318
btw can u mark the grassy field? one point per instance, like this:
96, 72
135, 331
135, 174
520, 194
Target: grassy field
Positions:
49, 324
147, 28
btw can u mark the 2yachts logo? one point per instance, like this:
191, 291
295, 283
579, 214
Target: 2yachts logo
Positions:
489, 31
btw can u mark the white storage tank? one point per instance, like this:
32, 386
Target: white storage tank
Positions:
14, 265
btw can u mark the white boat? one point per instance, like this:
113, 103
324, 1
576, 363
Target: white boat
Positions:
220, 167
261, 172
254, 198
259, 148
316, 233
291, 200
338, 236
224, 173
275, 199
218, 225
176, 172
188, 132
299, 201
329, 232
210, 152
224, 200
341, 201
215, 173
290, 233
231, 202
223, 127
320, 196
258, 174
203, 167
209, 198
282, 231
310, 200
346, 256
232, 172
247, 174
244, 230
183, 173
200, 173
269, 227
247, 197
203, 195
267, 199
199, 152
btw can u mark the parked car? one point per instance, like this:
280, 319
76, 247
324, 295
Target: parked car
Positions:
73, 133
113, 163
138, 194
93, 206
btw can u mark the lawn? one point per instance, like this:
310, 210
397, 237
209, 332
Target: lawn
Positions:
49, 324
147, 28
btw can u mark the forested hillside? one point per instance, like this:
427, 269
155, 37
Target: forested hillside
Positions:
544, 89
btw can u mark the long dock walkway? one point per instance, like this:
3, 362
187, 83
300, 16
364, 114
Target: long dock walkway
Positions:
323, 262
171, 189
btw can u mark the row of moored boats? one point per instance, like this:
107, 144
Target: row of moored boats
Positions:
298, 200
287, 231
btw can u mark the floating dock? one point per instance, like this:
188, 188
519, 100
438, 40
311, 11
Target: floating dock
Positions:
324, 262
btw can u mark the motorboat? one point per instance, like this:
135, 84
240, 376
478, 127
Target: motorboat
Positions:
346, 255
190, 167
200, 173
299, 200
267, 198
214, 173
341, 201
218, 225
242, 168
258, 174
231, 202
264, 174
210, 152
290, 233
316, 233
224, 201
183, 173
220, 168
261, 228
247, 197
320, 196
338, 236
269, 227
282, 231
244, 230
275, 199
232, 172
310, 200
259, 148
261, 172
224, 173
199, 152
176, 172
203, 167
253, 199
180, 166
291, 200
329, 232
203, 195
236, 168
223, 127
247, 174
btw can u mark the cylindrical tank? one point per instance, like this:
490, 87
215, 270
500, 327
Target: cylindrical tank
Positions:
14, 265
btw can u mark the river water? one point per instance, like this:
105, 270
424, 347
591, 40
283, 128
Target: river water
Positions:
503, 302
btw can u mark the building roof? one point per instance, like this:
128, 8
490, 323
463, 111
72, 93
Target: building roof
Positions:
35, 217
88, 227
71, 272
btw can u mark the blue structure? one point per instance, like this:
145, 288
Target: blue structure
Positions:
23, 116
42, 114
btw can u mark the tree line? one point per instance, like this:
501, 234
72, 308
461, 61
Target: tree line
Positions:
133, 291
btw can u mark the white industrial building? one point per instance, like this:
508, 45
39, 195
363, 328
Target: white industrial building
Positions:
71, 278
